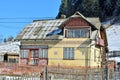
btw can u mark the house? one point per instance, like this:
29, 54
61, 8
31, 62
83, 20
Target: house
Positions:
114, 56
9, 52
72, 42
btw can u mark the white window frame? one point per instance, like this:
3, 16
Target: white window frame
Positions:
68, 53
43, 53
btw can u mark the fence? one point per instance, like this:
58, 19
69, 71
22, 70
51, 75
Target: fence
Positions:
113, 74
65, 73
21, 77
60, 73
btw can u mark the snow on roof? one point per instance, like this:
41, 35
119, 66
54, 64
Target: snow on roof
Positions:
39, 29
10, 48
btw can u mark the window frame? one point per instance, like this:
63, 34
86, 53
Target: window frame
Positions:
68, 53
84, 33
43, 53
34, 60
24, 55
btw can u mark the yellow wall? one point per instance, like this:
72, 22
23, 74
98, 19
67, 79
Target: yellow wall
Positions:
82, 52
13, 57
95, 57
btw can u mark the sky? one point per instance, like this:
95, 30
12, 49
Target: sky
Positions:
16, 14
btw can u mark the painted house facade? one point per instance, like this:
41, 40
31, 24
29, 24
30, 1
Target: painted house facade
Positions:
75, 41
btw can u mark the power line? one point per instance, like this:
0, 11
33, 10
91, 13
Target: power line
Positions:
15, 22
28, 18
22, 20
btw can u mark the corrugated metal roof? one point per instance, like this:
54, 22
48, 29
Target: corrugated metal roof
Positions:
39, 29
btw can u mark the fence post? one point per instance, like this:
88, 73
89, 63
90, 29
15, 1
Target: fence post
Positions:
45, 73
105, 74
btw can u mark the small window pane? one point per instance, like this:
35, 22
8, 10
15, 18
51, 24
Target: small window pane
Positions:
24, 53
68, 53
43, 53
77, 33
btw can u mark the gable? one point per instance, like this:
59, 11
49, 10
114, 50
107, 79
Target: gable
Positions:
76, 23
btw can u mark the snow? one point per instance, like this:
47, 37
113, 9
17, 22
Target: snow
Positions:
113, 33
113, 37
117, 59
10, 48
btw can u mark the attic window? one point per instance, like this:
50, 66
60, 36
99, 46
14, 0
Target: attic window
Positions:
77, 33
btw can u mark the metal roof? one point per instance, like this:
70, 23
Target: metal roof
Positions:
95, 21
39, 29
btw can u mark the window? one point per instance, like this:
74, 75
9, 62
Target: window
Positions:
24, 53
77, 33
34, 61
43, 53
34, 53
11, 60
34, 56
68, 53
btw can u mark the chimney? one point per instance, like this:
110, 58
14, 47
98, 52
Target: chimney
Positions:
63, 16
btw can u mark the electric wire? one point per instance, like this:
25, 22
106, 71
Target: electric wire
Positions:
23, 19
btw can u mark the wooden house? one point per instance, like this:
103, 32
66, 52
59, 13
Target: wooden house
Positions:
75, 41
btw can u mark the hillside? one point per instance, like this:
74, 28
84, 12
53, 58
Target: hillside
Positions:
113, 36
91, 8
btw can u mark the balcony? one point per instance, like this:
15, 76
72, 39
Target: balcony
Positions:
100, 42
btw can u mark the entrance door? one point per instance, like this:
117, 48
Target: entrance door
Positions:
6, 58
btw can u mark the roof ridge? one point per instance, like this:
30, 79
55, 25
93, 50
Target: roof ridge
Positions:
48, 19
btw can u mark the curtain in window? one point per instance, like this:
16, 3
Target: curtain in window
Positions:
24, 53
68, 53
43, 53
77, 33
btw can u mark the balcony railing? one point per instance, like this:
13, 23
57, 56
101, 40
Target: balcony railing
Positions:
100, 42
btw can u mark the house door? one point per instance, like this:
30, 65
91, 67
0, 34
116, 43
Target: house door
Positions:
6, 58
34, 57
